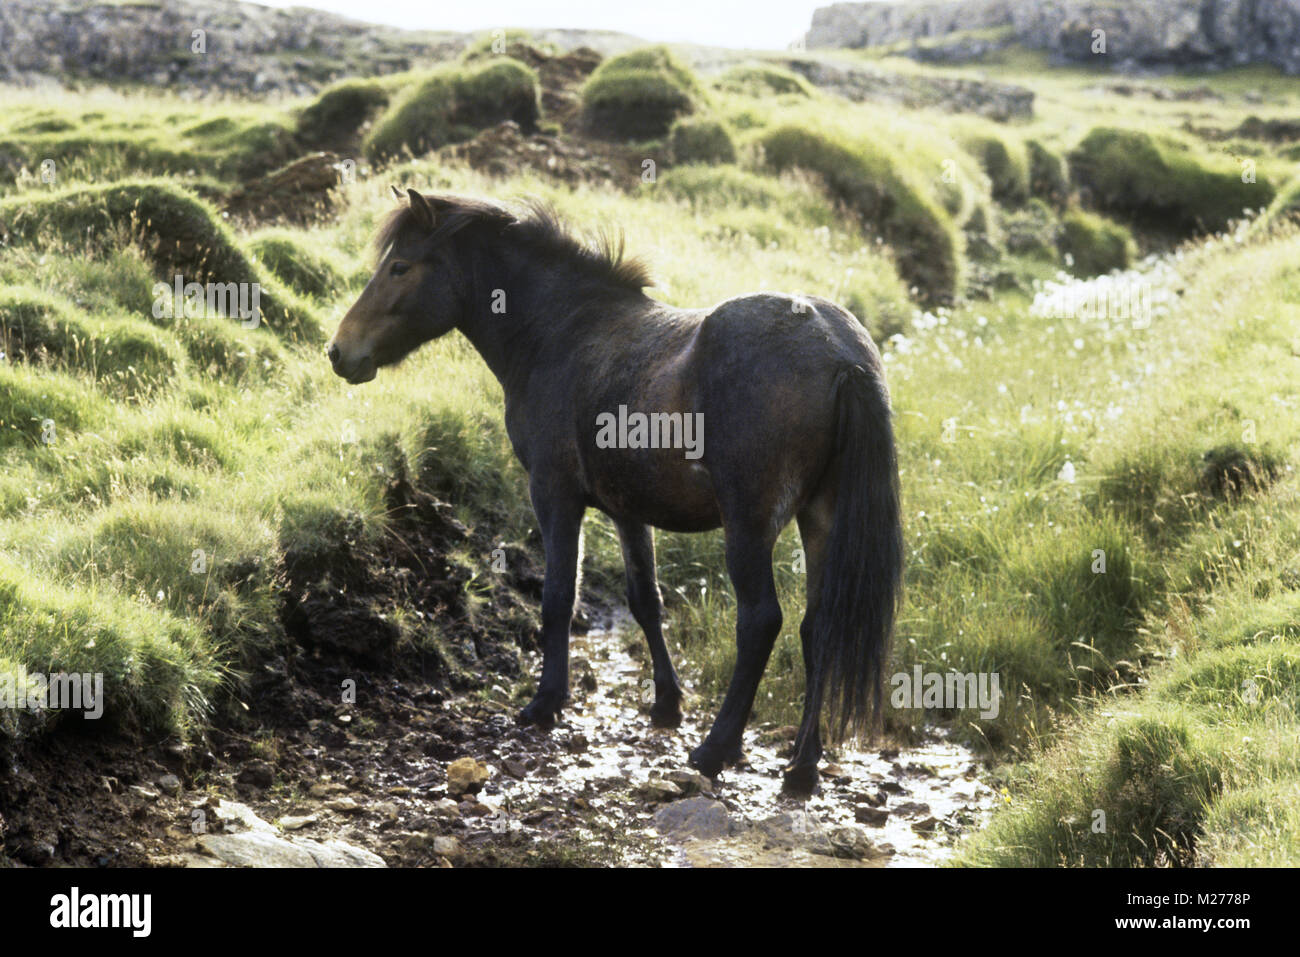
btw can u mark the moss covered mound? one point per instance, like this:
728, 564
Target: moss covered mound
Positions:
638, 95
339, 112
701, 141
183, 236
1162, 183
875, 185
451, 105
1049, 175
1095, 244
305, 271
761, 80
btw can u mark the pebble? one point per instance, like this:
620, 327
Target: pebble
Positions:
466, 776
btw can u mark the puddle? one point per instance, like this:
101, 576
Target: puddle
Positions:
908, 805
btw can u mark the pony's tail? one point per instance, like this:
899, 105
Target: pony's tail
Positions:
862, 574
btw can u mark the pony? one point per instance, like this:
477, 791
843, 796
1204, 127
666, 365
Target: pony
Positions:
758, 410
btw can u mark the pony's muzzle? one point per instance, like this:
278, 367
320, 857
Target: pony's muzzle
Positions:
363, 370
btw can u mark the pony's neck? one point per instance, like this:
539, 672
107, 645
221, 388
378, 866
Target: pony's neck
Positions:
518, 305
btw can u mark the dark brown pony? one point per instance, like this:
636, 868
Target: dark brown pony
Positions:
762, 409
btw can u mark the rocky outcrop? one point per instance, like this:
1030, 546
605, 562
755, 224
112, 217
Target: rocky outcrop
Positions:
998, 101
242, 48
1141, 34
203, 44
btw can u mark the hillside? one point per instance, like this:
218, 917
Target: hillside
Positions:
314, 605
1164, 35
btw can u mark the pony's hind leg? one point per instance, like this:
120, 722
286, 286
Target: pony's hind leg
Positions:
646, 605
801, 772
758, 621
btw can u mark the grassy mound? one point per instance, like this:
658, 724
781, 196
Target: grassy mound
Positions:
1095, 244
451, 105
182, 234
1003, 158
157, 669
304, 270
127, 356
760, 80
339, 112
1033, 231
875, 185
701, 141
1049, 175
40, 408
1160, 182
638, 95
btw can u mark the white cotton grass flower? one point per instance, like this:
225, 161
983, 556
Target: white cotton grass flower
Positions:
1067, 472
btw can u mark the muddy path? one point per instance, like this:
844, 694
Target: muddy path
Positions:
413, 777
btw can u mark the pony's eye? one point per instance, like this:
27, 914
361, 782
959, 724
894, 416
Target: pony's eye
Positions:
398, 268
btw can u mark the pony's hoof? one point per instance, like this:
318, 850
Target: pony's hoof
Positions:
666, 714
800, 779
541, 711
706, 761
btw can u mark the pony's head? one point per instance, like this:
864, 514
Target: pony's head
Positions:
416, 294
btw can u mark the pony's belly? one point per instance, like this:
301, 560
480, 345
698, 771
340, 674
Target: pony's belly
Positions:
664, 491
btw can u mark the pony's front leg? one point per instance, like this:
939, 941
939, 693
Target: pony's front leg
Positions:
560, 519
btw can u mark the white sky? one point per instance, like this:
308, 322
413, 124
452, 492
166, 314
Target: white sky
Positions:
753, 24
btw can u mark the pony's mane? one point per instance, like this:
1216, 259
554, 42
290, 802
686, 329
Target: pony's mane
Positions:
539, 228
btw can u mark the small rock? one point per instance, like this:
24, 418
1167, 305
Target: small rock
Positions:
538, 815
514, 768
912, 808
577, 743
876, 799
834, 772
344, 805
466, 776
690, 782
170, 783
447, 847
875, 816
657, 790
446, 807
149, 794
925, 826
291, 823
256, 774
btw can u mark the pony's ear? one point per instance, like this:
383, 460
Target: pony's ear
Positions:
423, 211
397, 193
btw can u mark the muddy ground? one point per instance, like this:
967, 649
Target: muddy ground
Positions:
425, 765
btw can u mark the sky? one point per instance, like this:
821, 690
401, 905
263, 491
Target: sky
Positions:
753, 24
